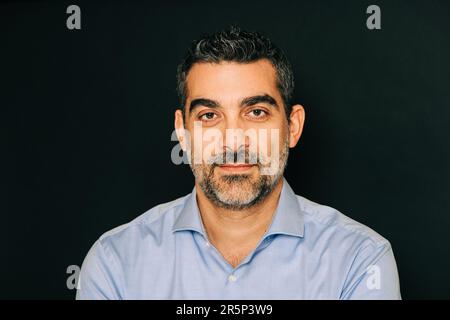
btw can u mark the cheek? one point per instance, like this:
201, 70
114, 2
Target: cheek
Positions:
268, 139
205, 143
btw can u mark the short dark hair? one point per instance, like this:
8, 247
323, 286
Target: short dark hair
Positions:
234, 44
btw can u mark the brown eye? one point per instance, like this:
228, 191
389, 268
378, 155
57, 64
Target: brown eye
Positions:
258, 113
208, 116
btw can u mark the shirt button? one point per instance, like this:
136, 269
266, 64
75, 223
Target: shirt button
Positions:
207, 244
232, 278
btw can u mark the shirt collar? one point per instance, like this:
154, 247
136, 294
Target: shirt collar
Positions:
288, 217
189, 217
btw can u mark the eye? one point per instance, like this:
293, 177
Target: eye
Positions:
258, 113
208, 116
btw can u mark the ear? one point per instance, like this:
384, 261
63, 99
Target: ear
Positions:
297, 119
179, 128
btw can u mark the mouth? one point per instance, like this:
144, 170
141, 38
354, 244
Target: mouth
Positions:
236, 167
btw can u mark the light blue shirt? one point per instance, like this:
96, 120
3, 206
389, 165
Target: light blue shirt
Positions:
310, 251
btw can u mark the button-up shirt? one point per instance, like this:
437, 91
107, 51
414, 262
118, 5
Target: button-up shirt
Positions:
310, 251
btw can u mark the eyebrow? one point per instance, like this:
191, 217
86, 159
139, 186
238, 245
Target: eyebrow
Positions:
249, 101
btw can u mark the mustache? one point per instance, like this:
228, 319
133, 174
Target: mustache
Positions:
233, 157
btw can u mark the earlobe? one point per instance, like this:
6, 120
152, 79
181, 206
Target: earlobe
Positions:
297, 119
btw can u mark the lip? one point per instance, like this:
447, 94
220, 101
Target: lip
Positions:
236, 167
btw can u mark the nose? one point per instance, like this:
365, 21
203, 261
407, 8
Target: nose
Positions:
234, 139
235, 133
235, 145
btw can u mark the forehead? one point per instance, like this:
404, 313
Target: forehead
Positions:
229, 81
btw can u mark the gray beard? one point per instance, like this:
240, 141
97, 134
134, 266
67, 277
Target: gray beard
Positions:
261, 188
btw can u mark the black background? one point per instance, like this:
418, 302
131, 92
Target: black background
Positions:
87, 116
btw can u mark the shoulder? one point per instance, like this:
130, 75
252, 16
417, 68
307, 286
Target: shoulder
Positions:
151, 223
108, 260
325, 221
351, 249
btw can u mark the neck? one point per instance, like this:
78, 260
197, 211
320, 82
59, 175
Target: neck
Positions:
232, 230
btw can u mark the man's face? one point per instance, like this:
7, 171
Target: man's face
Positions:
242, 149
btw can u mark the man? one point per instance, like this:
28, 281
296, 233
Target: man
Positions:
242, 233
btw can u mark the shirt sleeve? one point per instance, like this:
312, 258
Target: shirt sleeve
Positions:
97, 279
373, 275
